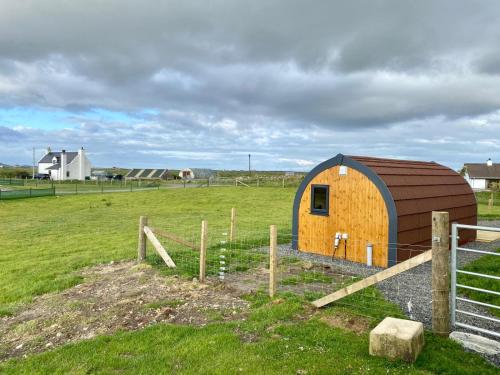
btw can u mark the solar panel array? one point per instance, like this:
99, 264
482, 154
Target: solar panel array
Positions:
146, 173
158, 173
133, 173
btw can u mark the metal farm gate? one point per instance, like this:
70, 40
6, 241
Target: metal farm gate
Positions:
471, 306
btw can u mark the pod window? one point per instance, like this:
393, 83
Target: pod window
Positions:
319, 199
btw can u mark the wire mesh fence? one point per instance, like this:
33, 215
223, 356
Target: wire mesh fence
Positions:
11, 181
242, 263
74, 187
25, 193
38, 188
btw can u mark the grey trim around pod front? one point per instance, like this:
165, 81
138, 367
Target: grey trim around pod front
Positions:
373, 177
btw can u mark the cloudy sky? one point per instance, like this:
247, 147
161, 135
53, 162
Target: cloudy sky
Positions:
203, 83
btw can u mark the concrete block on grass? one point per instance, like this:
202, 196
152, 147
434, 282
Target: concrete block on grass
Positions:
480, 344
397, 339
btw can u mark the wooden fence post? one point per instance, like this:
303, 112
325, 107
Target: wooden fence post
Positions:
141, 249
490, 202
232, 229
440, 273
203, 250
273, 259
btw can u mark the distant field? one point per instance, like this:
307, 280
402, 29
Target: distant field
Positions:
44, 239
270, 179
484, 212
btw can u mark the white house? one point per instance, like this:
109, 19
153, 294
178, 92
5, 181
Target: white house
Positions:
186, 174
192, 173
481, 175
65, 165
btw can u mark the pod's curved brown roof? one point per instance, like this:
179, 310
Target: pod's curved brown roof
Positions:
418, 188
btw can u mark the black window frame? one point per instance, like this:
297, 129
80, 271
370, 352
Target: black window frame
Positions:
324, 211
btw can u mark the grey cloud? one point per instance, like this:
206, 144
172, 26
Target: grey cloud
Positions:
240, 75
490, 62
213, 143
8, 135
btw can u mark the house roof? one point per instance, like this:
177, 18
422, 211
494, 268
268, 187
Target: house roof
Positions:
70, 155
482, 170
55, 166
418, 188
146, 173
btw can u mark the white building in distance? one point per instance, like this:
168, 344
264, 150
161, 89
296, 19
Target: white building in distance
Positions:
481, 175
193, 173
65, 165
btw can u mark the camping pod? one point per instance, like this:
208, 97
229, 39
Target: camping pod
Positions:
377, 211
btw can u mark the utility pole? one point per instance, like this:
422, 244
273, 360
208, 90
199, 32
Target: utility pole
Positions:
249, 168
33, 175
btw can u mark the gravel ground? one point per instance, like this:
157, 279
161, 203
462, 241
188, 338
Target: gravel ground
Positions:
411, 290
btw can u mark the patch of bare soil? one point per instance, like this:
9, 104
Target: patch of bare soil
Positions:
248, 282
296, 278
356, 324
117, 296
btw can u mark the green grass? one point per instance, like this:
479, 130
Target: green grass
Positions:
484, 212
489, 265
305, 277
44, 240
483, 196
274, 339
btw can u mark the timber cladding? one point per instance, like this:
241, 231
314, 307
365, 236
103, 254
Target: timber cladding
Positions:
356, 207
385, 202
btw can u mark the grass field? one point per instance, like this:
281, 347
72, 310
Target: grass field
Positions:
275, 339
62, 234
485, 212
488, 265
44, 240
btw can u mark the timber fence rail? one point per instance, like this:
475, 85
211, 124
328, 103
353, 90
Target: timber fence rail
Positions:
262, 260
366, 290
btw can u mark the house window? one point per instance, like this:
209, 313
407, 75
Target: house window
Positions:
320, 199
67, 174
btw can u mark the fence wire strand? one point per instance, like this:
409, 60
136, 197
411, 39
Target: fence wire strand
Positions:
243, 265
